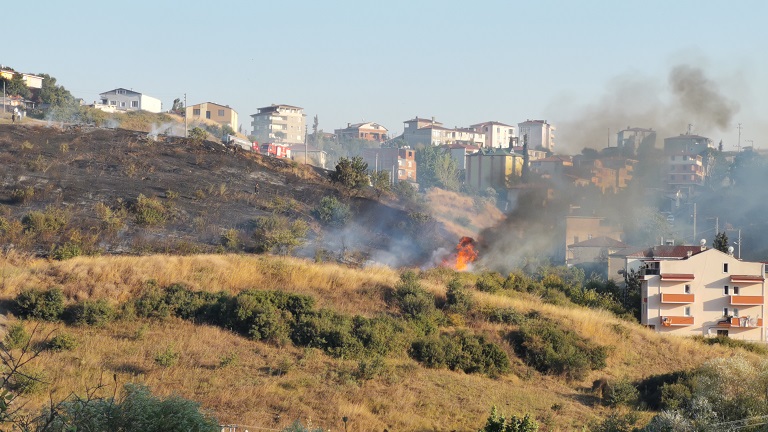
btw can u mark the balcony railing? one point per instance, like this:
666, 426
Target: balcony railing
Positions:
742, 300
677, 298
741, 322
668, 321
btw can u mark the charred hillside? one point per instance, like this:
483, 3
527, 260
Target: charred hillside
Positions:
80, 190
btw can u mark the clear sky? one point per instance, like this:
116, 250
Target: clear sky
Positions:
462, 62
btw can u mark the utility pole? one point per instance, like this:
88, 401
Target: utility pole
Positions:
739, 243
185, 116
694, 223
717, 225
739, 142
5, 101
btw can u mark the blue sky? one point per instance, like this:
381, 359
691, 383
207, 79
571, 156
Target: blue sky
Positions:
349, 61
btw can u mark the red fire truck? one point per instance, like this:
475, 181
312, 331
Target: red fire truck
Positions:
274, 150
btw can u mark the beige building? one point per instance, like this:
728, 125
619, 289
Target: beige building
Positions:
368, 131
581, 228
430, 132
221, 114
497, 134
279, 123
707, 293
496, 168
31, 81
540, 134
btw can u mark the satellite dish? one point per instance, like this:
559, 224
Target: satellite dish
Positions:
703, 242
730, 250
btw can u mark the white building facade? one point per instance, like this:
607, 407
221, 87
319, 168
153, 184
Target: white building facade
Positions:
121, 99
540, 134
284, 124
497, 135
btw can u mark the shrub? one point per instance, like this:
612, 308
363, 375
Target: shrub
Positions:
332, 212
279, 235
66, 251
352, 173
503, 315
733, 343
461, 351
329, 331
45, 305
491, 282
62, 342
22, 195
96, 313
621, 392
230, 238
500, 423
167, 358
549, 348
370, 368
412, 299
150, 211
379, 336
28, 382
228, 360
16, 337
46, 222
457, 298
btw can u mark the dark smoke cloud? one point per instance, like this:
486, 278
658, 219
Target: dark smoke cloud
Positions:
701, 98
688, 97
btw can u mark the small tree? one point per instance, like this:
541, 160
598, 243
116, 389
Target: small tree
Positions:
198, 135
499, 423
332, 212
380, 182
721, 242
279, 235
351, 173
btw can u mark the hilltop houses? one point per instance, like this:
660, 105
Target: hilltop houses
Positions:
221, 114
279, 123
363, 131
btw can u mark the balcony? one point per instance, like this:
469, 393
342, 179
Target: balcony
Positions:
741, 322
676, 321
677, 298
753, 279
741, 300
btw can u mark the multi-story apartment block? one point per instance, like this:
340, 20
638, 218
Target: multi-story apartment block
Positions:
221, 114
459, 153
363, 131
495, 168
687, 144
430, 132
635, 138
706, 293
400, 163
685, 171
279, 123
121, 99
497, 134
540, 134
31, 81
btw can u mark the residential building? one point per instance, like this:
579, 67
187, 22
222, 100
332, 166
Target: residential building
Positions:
581, 228
459, 153
533, 154
121, 99
363, 131
685, 171
430, 132
594, 250
707, 293
540, 134
221, 114
309, 155
279, 123
687, 144
497, 134
495, 168
31, 81
400, 163
554, 167
635, 138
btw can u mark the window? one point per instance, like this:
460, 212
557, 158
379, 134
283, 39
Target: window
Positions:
207, 114
122, 104
113, 103
726, 290
735, 290
725, 267
722, 333
134, 104
221, 113
735, 312
687, 311
196, 112
725, 312
120, 91
687, 288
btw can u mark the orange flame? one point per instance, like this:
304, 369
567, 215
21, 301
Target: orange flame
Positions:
465, 253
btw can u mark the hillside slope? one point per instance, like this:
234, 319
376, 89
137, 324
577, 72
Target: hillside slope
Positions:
270, 386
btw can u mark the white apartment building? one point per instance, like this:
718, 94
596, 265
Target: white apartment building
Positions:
284, 124
430, 132
539, 132
706, 293
497, 134
121, 99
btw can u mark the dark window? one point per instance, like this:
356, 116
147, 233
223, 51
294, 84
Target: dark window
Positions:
725, 267
722, 333
726, 290
687, 289
207, 114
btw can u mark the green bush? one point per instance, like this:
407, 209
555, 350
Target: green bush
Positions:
167, 358
499, 423
503, 315
457, 298
549, 348
50, 221
621, 392
733, 343
490, 282
22, 195
62, 342
329, 331
96, 313
66, 251
277, 234
412, 299
370, 368
461, 351
150, 211
45, 305
332, 212
16, 337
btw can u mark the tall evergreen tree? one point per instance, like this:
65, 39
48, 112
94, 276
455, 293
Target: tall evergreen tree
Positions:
721, 242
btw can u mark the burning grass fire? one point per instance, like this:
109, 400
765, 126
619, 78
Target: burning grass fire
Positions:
465, 255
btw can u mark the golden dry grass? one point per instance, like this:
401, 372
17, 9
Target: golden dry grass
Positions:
318, 387
450, 207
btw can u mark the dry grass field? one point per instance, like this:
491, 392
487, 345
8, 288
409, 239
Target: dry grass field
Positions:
252, 383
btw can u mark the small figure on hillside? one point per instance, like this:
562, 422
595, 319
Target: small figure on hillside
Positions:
13, 117
256, 188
